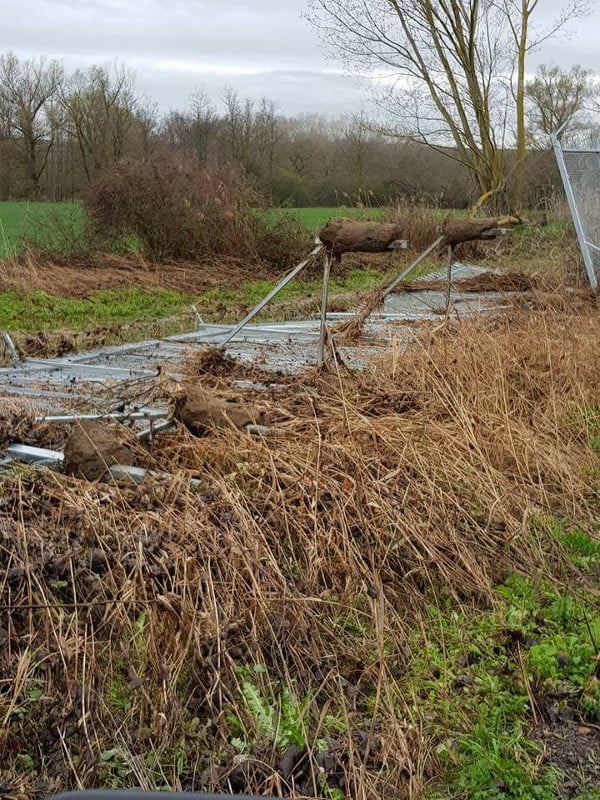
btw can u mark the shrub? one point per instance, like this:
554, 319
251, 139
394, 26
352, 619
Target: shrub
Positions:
176, 209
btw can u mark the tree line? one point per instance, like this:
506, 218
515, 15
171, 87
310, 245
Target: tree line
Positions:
58, 130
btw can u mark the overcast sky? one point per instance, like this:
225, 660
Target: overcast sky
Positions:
259, 47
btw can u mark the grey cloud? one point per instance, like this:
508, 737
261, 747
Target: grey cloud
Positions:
261, 34
295, 92
260, 47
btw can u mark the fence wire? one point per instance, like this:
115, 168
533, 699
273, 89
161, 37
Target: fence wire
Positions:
580, 172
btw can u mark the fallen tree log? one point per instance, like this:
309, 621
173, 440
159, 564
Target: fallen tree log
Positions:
467, 229
344, 235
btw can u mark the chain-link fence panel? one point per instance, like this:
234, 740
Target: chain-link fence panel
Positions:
580, 173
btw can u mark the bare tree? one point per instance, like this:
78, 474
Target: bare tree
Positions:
239, 128
203, 124
355, 146
267, 138
100, 106
519, 15
26, 91
558, 98
450, 70
146, 126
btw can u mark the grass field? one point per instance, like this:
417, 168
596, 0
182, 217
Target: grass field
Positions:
35, 310
19, 220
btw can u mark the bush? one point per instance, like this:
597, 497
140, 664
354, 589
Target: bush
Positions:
176, 209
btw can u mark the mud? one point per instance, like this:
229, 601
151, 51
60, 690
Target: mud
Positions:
94, 446
201, 412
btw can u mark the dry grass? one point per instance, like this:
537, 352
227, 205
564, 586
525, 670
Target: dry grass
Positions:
310, 554
421, 223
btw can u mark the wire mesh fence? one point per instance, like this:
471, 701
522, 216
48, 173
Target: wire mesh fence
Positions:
580, 172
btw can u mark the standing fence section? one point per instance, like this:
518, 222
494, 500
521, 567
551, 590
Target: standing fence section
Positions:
580, 173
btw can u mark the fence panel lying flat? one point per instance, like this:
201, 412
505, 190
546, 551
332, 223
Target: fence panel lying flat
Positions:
99, 381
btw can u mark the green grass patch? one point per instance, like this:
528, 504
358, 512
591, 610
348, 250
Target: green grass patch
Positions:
473, 681
35, 311
24, 220
313, 219
231, 301
19, 221
357, 280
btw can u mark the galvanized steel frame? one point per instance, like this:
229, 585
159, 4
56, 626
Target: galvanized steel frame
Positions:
584, 245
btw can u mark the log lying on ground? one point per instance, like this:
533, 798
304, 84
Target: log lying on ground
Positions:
467, 229
94, 447
344, 235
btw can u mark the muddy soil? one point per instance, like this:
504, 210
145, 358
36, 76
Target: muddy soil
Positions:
94, 446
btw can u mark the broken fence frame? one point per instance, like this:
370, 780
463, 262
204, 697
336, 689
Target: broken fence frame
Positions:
40, 457
229, 333
396, 245
76, 362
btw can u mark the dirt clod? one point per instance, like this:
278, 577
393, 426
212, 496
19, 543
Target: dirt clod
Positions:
93, 447
200, 411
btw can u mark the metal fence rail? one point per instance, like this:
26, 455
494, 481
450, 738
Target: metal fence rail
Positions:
580, 173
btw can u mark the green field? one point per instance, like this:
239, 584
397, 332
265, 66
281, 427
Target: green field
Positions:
314, 218
35, 310
19, 221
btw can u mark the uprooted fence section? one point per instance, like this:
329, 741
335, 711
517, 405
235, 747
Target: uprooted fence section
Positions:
278, 347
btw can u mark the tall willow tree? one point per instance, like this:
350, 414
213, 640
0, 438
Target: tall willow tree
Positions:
454, 70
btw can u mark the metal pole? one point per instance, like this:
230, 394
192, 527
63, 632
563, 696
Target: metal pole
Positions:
324, 298
412, 266
24, 452
581, 238
449, 286
266, 300
154, 413
15, 359
138, 475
